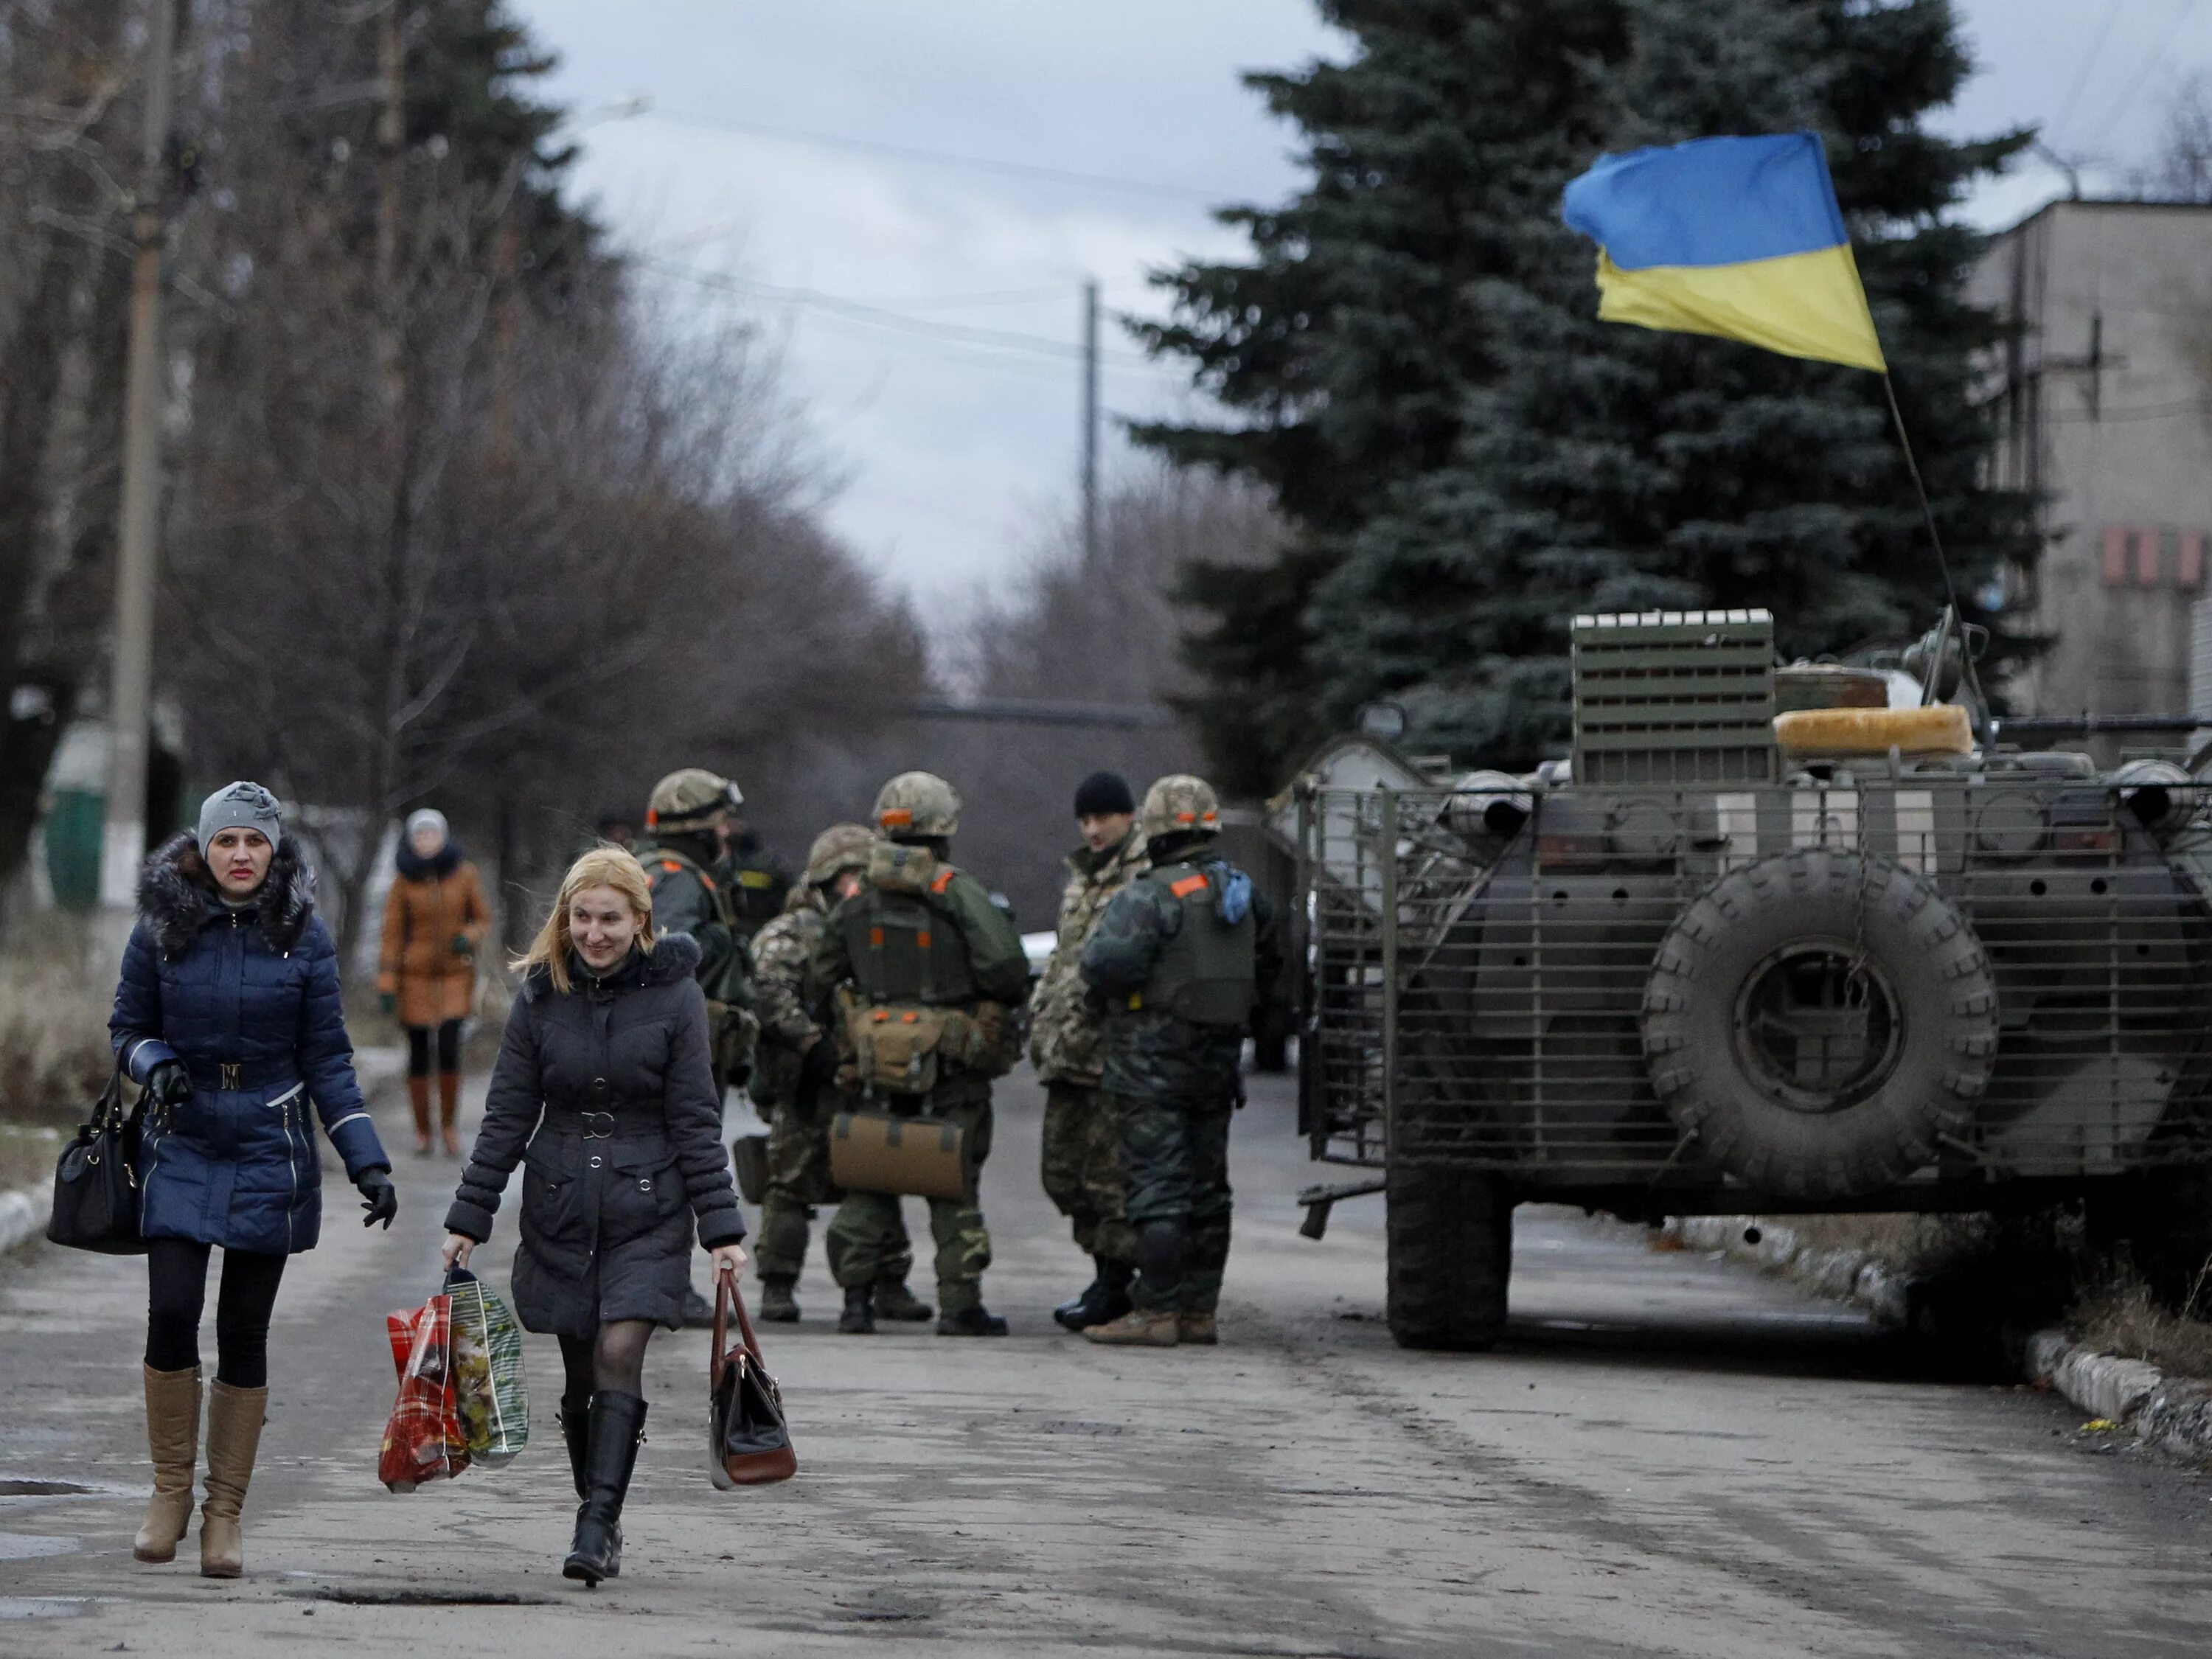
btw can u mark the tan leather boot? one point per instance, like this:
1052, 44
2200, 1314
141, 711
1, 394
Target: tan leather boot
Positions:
173, 1435
449, 1110
418, 1097
1140, 1328
1196, 1328
234, 1435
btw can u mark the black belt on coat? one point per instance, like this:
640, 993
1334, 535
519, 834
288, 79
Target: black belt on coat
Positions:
223, 1074
638, 1123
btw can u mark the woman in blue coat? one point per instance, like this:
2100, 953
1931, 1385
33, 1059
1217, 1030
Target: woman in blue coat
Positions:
228, 1017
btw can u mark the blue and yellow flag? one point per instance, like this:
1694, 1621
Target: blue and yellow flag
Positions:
1736, 237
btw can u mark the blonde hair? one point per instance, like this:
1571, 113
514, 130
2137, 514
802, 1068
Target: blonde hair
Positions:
604, 866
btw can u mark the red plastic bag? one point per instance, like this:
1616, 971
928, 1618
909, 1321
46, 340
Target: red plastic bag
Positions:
422, 1439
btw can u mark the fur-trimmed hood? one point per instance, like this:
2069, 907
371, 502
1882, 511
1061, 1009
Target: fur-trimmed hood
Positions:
442, 863
674, 956
177, 897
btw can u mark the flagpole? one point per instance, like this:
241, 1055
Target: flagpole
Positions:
1957, 617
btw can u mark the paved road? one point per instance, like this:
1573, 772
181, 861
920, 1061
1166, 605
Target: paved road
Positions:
1669, 1457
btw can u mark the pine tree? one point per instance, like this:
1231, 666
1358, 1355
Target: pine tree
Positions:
1596, 467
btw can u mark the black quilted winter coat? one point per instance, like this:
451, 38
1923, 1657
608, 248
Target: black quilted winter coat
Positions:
606, 1096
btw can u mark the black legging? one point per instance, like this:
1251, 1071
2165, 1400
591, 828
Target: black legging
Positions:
613, 1360
418, 1049
176, 1279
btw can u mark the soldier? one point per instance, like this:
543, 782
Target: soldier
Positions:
756, 879
794, 1082
1082, 1149
687, 822
1175, 960
921, 950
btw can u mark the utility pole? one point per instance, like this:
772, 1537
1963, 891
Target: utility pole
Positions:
1090, 424
130, 696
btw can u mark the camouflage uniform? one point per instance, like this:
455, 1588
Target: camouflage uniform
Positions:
863, 1235
798, 1118
1174, 1081
1082, 1142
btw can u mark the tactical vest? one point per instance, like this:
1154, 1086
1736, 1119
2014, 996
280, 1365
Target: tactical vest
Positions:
905, 946
1208, 974
661, 862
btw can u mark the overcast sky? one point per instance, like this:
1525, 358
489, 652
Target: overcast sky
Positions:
928, 312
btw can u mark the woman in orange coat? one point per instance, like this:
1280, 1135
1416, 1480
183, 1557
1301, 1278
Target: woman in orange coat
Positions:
434, 922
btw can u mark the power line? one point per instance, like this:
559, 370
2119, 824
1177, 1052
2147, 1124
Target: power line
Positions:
853, 310
2090, 63
937, 158
2150, 61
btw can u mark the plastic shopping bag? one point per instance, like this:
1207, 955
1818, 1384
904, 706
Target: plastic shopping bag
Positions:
488, 1385
422, 1439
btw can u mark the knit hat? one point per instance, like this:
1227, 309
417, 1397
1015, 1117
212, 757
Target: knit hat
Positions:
239, 806
1103, 793
428, 818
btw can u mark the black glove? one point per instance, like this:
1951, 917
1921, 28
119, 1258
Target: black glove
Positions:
169, 1082
818, 1068
377, 1197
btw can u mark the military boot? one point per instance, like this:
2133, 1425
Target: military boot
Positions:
894, 1301
695, 1311
1106, 1298
777, 1305
617, 1429
1193, 1327
977, 1320
1140, 1328
234, 1438
173, 1435
859, 1318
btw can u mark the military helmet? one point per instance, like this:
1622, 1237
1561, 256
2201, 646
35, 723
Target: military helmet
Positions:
689, 799
839, 847
917, 805
1180, 804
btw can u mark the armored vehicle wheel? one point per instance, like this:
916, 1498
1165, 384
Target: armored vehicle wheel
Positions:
1817, 1020
1450, 1251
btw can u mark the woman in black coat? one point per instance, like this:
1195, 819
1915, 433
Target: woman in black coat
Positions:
604, 1092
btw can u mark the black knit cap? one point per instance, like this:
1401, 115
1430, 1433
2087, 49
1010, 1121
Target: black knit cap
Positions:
1103, 793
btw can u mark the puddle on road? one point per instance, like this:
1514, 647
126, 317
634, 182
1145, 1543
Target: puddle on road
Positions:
45, 1607
30, 1545
20, 1488
420, 1598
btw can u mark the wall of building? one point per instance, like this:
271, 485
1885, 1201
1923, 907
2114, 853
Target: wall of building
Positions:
2103, 401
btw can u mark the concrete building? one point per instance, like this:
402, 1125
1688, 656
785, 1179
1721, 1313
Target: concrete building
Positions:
2105, 401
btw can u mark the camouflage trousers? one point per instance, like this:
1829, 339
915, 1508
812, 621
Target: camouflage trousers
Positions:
798, 1180
1082, 1168
867, 1232
1174, 1155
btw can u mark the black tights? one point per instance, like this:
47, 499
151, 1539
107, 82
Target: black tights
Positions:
176, 1281
418, 1047
613, 1360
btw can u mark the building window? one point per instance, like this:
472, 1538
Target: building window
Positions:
2116, 555
2147, 548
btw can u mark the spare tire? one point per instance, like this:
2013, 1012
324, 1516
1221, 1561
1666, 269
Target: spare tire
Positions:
1818, 1020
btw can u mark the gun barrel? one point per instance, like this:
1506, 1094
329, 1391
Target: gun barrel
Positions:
2089, 725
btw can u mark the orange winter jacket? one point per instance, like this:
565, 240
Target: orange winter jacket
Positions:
432, 904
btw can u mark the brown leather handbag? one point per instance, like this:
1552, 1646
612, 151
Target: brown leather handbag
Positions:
748, 1442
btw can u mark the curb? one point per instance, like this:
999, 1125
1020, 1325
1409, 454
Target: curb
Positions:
23, 1215
2171, 1415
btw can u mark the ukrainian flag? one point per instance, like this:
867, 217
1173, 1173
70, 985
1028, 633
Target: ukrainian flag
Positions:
1735, 237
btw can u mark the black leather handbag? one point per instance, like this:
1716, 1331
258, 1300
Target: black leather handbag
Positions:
748, 1443
96, 1182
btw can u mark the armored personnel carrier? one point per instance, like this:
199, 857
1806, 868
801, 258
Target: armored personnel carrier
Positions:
1765, 943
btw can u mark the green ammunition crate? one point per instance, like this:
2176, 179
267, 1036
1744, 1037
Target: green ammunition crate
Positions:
1675, 697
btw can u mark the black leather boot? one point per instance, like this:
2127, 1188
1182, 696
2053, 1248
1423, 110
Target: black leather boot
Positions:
617, 1429
859, 1318
1081, 1309
576, 1430
971, 1321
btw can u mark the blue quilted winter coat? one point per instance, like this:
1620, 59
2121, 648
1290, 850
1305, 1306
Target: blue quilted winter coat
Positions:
248, 1000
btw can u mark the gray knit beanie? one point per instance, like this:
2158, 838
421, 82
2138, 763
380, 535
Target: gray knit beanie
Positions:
239, 806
